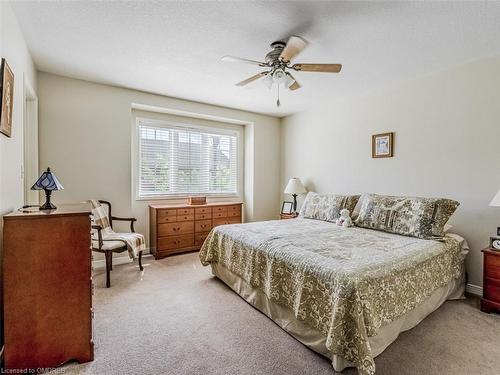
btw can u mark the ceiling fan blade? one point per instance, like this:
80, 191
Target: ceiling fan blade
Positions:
251, 79
295, 85
241, 60
326, 68
293, 47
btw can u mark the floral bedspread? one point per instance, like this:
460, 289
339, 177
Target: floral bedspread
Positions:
344, 282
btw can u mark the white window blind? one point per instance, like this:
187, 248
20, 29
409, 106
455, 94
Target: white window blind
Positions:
178, 160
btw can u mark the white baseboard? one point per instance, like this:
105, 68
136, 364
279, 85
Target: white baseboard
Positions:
474, 289
101, 263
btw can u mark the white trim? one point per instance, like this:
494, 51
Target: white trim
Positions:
474, 289
101, 263
30, 166
135, 163
177, 112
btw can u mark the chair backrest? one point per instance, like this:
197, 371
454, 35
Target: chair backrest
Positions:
100, 215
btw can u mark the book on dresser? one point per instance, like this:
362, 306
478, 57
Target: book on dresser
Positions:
176, 228
47, 286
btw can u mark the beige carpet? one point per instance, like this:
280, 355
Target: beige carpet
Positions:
178, 319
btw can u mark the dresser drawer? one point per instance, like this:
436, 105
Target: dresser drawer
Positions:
166, 212
185, 217
203, 216
167, 219
175, 242
492, 268
235, 208
233, 213
219, 212
202, 210
226, 220
173, 229
203, 225
185, 211
199, 238
492, 290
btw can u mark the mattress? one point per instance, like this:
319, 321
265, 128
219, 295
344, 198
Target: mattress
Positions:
346, 284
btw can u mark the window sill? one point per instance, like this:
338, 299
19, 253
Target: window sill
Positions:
214, 197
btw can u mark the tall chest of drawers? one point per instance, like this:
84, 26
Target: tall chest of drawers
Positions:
491, 281
177, 229
47, 283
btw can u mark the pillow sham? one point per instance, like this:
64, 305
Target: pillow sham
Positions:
409, 216
326, 206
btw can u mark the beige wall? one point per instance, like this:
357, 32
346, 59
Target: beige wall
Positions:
13, 49
85, 137
447, 137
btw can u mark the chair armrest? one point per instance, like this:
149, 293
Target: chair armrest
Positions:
131, 219
99, 234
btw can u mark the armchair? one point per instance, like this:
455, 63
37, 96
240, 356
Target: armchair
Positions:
105, 240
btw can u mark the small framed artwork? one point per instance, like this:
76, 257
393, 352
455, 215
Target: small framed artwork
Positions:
498, 231
286, 207
7, 97
382, 145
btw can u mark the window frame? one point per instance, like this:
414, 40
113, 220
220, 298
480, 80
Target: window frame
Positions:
223, 129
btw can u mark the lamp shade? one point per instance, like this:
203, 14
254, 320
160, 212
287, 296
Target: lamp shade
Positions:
47, 181
495, 202
294, 186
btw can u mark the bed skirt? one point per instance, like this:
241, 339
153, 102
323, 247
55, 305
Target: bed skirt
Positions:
313, 339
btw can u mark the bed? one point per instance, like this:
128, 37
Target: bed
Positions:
346, 293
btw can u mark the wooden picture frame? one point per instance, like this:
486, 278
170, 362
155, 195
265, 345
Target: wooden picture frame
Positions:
6, 98
383, 145
287, 207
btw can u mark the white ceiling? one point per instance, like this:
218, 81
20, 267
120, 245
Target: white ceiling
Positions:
174, 48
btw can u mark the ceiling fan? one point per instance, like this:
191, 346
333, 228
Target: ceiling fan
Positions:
278, 64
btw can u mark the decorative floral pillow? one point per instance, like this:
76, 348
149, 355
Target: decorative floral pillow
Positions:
326, 206
410, 216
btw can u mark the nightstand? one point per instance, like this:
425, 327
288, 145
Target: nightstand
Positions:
288, 216
491, 280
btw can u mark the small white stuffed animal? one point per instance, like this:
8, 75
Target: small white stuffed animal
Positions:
345, 219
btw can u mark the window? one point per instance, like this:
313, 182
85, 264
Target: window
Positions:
179, 160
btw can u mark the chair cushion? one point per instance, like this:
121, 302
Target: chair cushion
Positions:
109, 245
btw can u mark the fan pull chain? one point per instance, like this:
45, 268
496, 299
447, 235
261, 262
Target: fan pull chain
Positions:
278, 101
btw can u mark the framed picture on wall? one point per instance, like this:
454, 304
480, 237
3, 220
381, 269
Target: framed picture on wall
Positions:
382, 145
7, 97
286, 207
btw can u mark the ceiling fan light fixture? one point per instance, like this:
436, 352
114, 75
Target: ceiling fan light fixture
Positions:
279, 76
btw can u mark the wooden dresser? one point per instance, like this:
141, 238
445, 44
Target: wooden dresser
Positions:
180, 228
491, 281
47, 286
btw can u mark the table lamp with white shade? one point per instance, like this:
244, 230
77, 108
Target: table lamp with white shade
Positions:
495, 202
495, 241
295, 187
